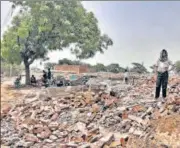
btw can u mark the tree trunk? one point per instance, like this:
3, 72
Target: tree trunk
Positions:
27, 71
10, 71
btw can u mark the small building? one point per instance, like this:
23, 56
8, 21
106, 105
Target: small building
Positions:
77, 69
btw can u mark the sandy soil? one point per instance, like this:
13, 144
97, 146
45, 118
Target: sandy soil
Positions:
10, 95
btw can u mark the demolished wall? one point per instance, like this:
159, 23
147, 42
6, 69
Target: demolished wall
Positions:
77, 117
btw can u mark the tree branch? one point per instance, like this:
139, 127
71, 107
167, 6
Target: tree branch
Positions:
32, 60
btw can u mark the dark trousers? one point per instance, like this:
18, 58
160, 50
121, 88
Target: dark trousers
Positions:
126, 80
162, 80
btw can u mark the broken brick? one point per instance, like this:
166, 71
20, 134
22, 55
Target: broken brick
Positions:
31, 138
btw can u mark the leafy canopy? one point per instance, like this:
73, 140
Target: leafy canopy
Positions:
42, 26
139, 68
9, 48
51, 25
115, 68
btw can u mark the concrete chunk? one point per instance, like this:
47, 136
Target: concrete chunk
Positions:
137, 119
105, 140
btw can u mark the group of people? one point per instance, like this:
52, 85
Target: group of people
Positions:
161, 68
46, 77
162, 73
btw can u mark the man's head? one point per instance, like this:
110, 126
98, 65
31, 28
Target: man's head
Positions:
49, 69
125, 70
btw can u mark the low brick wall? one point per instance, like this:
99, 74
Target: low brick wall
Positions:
71, 68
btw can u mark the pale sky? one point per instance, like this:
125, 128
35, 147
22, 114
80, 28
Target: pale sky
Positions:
139, 30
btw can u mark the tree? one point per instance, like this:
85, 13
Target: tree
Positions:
69, 62
9, 48
99, 67
177, 66
139, 68
10, 52
50, 25
115, 68
49, 65
65, 61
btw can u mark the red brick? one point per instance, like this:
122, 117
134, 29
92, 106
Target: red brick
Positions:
137, 108
71, 68
31, 138
6, 109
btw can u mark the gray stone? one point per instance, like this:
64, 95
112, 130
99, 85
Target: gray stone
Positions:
48, 141
138, 132
24, 144
85, 146
53, 137
131, 130
95, 138
137, 119
105, 140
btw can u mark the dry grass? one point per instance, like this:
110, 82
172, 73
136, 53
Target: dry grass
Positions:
166, 131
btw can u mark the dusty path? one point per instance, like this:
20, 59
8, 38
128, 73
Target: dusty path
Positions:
10, 95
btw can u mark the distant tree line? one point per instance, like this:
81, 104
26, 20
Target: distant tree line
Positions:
99, 67
113, 67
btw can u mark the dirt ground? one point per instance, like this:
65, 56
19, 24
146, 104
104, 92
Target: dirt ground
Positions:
11, 95
165, 130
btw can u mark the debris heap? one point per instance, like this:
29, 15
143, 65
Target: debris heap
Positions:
89, 119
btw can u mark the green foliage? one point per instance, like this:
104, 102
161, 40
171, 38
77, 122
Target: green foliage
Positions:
50, 25
99, 67
115, 68
66, 22
139, 68
10, 52
49, 65
66, 61
69, 62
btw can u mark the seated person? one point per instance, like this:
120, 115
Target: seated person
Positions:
33, 80
53, 81
17, 81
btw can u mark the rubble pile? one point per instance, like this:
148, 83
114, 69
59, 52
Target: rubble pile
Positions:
73, 118
175, 89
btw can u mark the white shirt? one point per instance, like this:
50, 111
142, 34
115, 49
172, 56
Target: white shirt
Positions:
126, 75
163, 66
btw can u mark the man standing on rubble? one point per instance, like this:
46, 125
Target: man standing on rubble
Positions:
126, 76
44, 77
162, 71
49, 74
